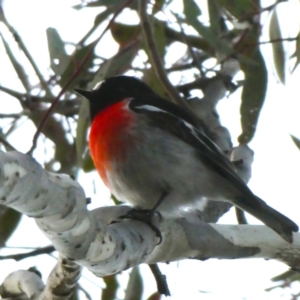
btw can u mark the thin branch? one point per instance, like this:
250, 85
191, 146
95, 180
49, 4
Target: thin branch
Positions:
7, 144
190, 49
155, 58
22, 46
179, 67
292, 39
11, 92
161, 280
240, 216
11, 116
36, 252
72, 78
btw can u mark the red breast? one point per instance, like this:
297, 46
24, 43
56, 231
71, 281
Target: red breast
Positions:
109, 139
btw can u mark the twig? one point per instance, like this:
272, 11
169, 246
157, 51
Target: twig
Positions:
161, 280
20, 256
155, 58
11, 92
22, 46
13, 116
240, 216
292, 39
7, 144
190, 49
73, 77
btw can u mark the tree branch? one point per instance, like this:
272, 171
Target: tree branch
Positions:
36, 252
58, 205
60, 284
155, 58
22, 46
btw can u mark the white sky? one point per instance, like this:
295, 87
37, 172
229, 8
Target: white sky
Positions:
275, 173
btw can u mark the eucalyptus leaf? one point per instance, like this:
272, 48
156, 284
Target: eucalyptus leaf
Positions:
296, 141
277, 46
9, 220
134, 289
253, 95
59, 58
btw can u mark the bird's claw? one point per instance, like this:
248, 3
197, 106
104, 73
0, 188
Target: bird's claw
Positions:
145, 216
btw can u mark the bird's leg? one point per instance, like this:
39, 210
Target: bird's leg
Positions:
147, 215
158, 203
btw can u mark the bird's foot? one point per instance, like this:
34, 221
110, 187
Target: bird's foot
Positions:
146, 216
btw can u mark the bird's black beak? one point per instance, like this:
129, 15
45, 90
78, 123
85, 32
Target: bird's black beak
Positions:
86, 94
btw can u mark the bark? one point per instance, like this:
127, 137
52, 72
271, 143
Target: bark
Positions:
58, 204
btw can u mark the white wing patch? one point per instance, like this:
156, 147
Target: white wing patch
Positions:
151, 108
156, 109
192, 128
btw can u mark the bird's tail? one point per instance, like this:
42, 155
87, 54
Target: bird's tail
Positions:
271, 217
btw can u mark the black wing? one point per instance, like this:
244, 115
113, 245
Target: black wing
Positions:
171, 118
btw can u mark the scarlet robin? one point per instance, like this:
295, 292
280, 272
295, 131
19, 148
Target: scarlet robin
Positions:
149, 152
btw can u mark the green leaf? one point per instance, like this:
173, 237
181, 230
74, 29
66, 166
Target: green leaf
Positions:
277, 47
59, 58
9, 220
191, 9
253, 95
215, 16
296, 141
17, 66
115, 200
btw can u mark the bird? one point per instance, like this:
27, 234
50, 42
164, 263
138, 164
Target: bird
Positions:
153, 154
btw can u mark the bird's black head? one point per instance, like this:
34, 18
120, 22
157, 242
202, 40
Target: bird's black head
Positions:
113, 90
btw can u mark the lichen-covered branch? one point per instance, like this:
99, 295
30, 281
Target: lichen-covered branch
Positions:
58, 204
21, 283
26, 284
